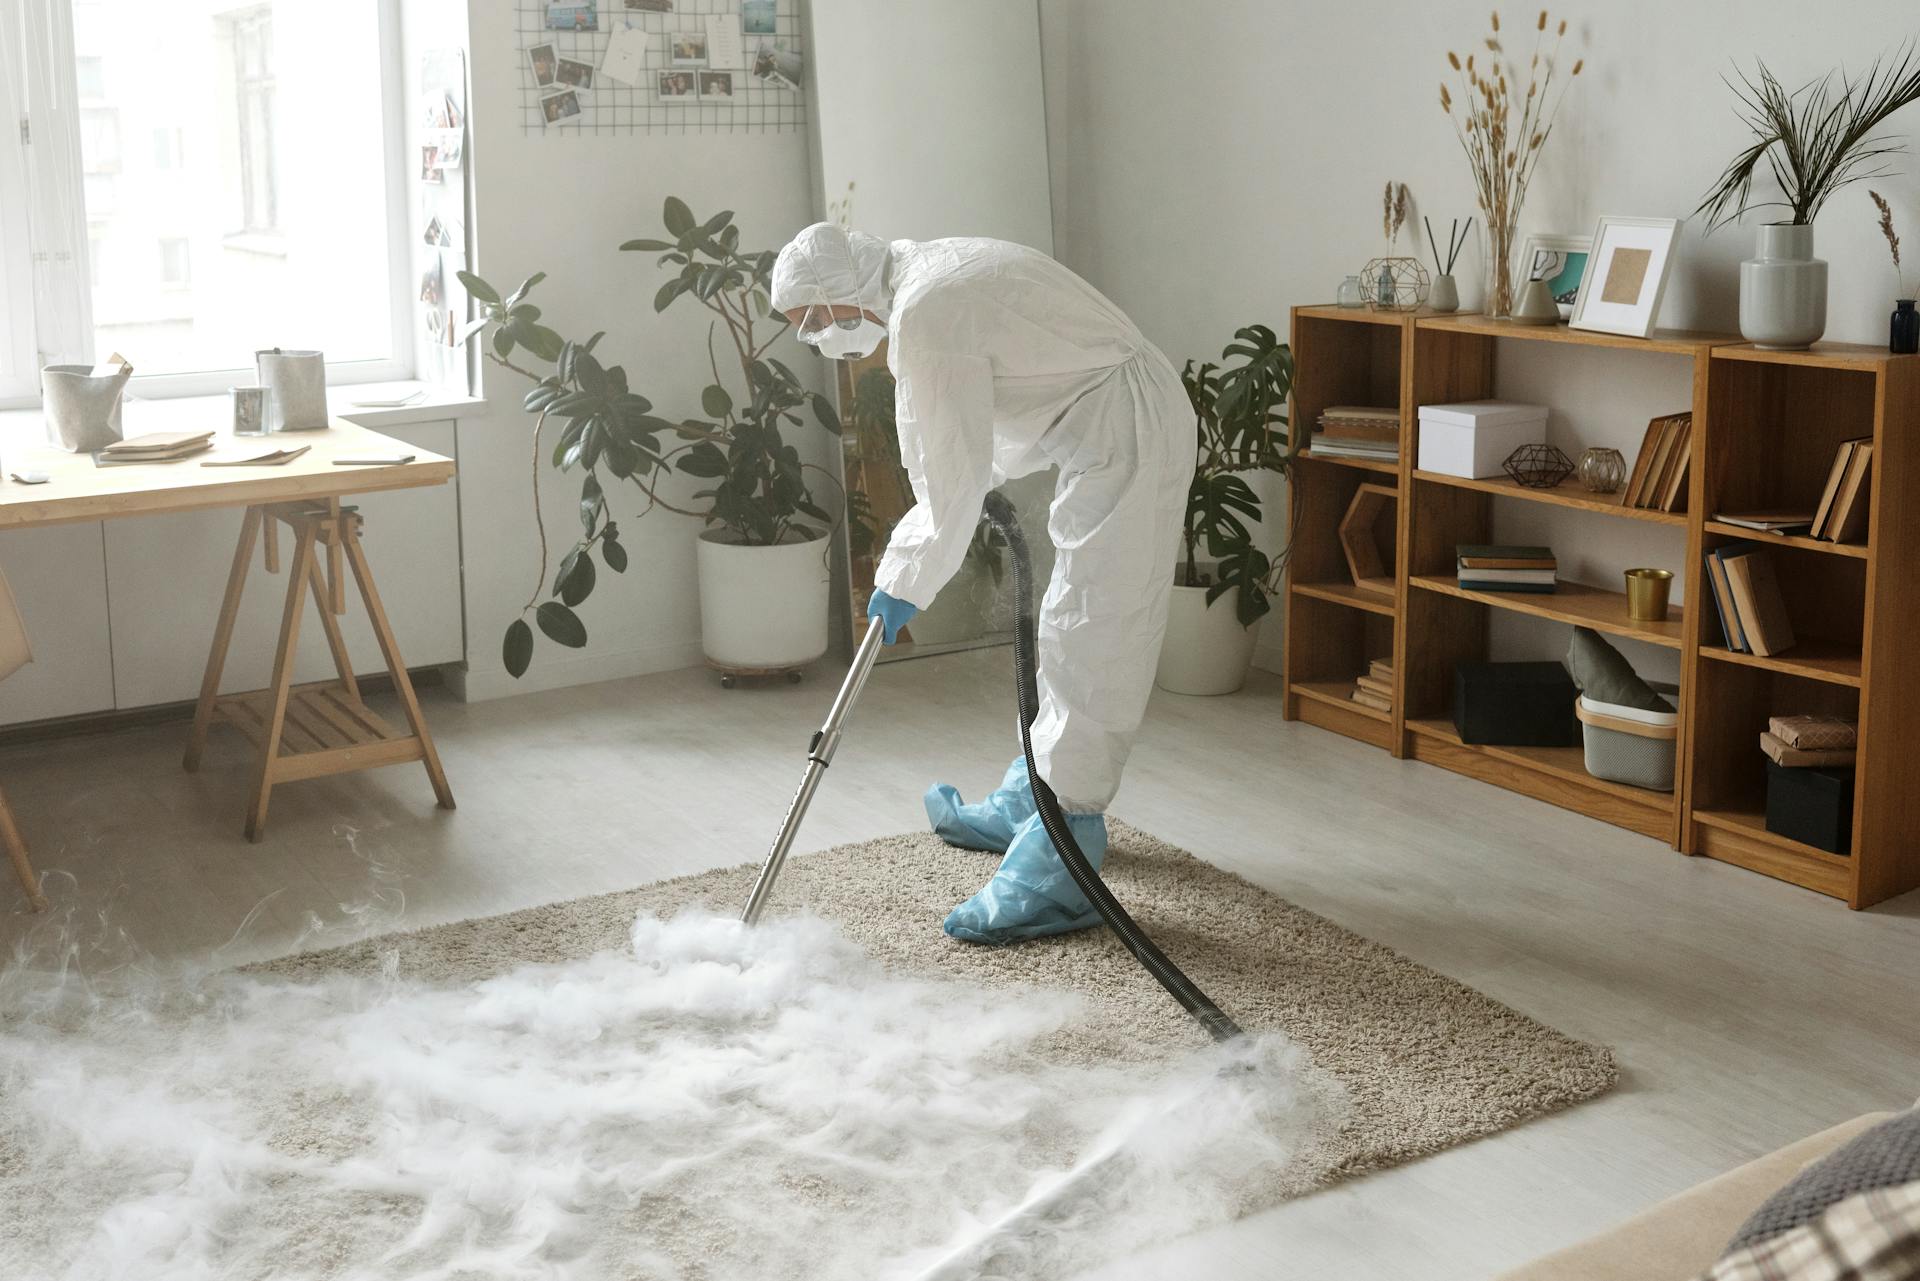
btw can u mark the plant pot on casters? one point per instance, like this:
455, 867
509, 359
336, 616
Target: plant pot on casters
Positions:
762, 609
1240, 415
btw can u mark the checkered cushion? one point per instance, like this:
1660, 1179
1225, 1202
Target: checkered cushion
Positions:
1886, 1155
1874, 1236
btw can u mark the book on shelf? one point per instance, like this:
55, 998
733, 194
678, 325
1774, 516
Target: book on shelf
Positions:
1501, 567
1781, 753
1658, 481
1770, 522
1847, 518
1374, 685
1367, 698
1836, 478
1723, 597
1361, 416
1762, 611
1336, 448
1381, 670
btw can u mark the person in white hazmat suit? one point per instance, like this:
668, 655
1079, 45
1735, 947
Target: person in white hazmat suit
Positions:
1005, 363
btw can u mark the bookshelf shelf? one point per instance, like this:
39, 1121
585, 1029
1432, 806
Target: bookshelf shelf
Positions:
1813, 659
1349, 595
1569, 493
1335, 693
1858, 550
1575, 603
1766, 427
1359, 464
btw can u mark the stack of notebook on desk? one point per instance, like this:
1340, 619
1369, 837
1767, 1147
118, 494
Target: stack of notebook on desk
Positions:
155, 447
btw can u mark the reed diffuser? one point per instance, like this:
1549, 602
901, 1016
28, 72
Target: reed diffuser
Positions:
1502, 131
1445, 292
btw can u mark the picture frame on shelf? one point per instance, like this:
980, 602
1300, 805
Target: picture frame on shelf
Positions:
1561, 261
1626, 275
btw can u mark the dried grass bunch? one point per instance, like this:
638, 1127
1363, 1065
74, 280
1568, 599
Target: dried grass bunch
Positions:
1893, 240
1394, 207
1503, 130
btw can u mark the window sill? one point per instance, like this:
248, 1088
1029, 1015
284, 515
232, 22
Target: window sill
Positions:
264, 243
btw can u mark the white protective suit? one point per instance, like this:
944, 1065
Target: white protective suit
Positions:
1005, 363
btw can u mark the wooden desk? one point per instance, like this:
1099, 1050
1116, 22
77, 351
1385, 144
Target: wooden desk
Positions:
300, 732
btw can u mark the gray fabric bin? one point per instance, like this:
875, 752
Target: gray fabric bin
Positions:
1637, 748
82, 411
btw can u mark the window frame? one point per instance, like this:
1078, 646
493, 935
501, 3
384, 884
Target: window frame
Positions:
59, 125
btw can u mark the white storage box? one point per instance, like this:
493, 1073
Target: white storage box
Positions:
1474, 438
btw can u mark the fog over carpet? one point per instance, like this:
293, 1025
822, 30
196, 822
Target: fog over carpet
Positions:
590, 1090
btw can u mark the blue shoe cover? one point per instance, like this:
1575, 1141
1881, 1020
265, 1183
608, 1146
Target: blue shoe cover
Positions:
985, 825
1033, 894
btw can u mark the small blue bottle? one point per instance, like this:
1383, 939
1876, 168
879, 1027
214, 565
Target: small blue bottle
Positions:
1904, 339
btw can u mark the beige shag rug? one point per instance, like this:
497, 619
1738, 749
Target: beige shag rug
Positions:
1425, 1062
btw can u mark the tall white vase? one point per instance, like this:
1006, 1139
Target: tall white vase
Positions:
1783, 290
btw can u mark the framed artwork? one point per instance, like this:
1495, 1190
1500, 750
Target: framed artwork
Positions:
1626, 275
1561, 261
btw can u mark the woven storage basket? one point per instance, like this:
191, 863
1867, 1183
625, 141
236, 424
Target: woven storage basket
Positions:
1626, 745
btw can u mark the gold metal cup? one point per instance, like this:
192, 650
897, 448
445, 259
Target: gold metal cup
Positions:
1647, 594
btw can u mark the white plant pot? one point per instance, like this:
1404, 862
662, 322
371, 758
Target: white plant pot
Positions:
1207, 651
762, 607
1783, 290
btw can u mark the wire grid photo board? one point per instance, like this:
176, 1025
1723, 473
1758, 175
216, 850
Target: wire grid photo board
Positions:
755, 105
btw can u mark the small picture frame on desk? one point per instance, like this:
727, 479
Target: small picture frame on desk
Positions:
1561, 261
1626, 275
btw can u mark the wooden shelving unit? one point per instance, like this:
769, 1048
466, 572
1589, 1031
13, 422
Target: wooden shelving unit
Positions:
1765, 428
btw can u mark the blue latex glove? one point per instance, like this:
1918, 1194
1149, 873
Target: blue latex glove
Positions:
892, 612
1033, 894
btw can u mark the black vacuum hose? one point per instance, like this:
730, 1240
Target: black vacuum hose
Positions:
998, 511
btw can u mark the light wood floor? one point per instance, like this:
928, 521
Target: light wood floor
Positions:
1745, 1012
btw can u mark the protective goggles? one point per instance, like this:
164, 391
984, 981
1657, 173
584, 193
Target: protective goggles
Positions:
819, 321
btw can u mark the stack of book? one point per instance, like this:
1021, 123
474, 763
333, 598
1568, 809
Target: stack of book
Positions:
1358, 431
1659, 478
1842, 514
1809, 742
1501, 568
156, 447
1375, 689
1746, 595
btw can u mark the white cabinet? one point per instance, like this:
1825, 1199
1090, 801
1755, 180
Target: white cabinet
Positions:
59, 578
165, 576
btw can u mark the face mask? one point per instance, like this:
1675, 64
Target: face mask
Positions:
837, 343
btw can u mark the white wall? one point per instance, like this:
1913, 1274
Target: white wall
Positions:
562, 203
1220, 163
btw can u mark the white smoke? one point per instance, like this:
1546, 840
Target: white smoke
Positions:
714, 1103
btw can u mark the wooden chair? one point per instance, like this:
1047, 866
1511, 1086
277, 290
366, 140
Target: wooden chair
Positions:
15, 653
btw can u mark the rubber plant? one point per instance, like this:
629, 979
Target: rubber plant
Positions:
612, 437
1241, 427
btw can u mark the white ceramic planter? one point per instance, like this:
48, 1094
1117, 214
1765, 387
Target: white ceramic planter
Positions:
1207, 650
762, 607
1783, 290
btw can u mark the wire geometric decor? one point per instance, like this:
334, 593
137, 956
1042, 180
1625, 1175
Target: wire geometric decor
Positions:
1538, 466
1394, 284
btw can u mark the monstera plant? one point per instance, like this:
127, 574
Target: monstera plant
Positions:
753, 485
1240, 415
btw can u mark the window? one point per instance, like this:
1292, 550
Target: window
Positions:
267, 210
167, 149
176, 271
253, 88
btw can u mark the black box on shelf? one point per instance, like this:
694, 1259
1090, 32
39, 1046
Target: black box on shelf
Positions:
1515, 704
1812, 806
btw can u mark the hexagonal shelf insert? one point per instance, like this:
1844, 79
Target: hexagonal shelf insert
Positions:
1367, 537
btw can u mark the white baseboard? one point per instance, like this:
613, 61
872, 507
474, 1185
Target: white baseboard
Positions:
557, 670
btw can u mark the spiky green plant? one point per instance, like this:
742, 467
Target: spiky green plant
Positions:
1814, 140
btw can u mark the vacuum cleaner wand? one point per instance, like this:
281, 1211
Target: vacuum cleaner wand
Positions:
819, 755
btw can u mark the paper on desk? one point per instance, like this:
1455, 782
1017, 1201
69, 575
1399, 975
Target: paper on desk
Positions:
723, 40
626, 56
272, 458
